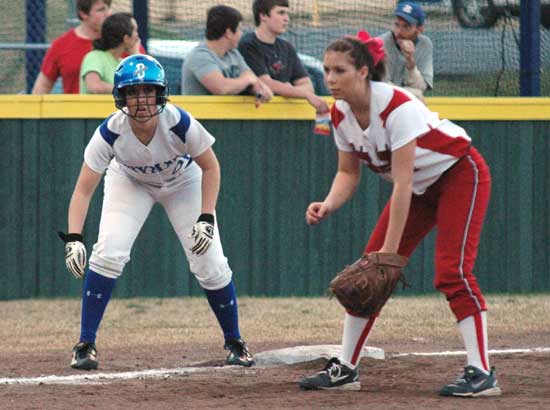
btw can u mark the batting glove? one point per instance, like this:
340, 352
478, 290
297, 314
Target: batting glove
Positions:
75, 253
202, 234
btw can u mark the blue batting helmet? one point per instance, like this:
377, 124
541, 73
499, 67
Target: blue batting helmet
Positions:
139, 69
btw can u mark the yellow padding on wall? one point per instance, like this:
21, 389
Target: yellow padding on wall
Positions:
242, 107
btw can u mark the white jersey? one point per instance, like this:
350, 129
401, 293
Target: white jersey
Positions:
397, 118
167, 159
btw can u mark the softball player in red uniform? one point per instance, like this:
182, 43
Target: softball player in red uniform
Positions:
151, 152
439, 179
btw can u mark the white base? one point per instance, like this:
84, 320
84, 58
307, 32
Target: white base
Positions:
299, 354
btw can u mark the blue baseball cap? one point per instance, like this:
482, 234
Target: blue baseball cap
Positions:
411, 12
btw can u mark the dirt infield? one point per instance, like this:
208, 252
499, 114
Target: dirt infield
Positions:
398, 382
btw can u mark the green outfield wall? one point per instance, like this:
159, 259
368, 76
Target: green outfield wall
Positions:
272, 167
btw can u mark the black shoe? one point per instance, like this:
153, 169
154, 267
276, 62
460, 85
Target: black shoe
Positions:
335, 376
473, 383
239, 355
84, 356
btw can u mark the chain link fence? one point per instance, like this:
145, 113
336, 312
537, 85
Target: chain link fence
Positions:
476, 50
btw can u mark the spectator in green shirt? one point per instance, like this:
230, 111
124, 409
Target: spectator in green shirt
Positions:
119, 36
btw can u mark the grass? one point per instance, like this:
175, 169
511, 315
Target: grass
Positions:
46, 325
484, 85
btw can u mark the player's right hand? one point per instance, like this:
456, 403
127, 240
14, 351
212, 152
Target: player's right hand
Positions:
75, 258
316, 211
75, 253
202, 234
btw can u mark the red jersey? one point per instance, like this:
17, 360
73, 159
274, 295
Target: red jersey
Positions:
64, 58
396, 118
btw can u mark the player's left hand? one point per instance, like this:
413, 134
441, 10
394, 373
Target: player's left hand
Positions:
364, 287
202, 234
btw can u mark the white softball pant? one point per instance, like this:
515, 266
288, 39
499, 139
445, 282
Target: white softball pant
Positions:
127, 204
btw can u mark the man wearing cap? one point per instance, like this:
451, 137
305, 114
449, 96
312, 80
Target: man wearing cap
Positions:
409, 53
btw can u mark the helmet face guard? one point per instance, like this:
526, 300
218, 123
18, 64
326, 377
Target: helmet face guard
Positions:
140, 69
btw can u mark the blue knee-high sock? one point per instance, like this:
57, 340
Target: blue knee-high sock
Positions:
95, 296
224, 304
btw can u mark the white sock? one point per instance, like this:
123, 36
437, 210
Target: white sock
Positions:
356, 333
474, 333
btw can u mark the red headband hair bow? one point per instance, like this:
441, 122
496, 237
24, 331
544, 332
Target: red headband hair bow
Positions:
375, 45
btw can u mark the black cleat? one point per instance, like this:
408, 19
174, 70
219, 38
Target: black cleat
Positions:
473, 383
84, 356
239, 355
335, 376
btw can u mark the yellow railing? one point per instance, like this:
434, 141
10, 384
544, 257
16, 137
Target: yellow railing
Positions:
243, 108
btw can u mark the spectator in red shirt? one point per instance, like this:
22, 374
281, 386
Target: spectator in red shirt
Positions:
67, 51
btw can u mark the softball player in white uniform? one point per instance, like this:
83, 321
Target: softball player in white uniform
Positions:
151, 152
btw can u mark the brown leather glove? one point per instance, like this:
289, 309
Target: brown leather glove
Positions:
364, 287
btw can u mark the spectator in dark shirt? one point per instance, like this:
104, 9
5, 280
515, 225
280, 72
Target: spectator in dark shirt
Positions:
275, 60
216, 66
